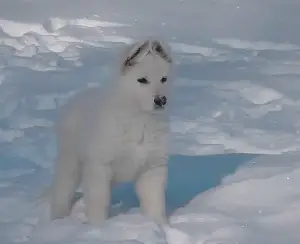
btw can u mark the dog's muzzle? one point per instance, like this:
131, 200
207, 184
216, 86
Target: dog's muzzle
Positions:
160, 101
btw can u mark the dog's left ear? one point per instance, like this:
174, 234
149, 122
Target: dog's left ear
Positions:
163, 50
132, 55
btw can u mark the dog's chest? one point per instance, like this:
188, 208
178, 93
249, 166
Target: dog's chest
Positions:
135, 143
136, 137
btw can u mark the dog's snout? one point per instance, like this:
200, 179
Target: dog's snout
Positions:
160, 101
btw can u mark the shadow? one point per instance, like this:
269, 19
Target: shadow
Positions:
188, 176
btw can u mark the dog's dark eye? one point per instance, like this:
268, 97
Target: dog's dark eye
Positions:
143, 80
164, 79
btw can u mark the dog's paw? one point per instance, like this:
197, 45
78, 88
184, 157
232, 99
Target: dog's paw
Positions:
175, 236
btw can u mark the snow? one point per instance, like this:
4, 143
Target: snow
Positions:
257, 45
234, 156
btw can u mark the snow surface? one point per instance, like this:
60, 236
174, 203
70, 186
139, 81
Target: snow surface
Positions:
234, 159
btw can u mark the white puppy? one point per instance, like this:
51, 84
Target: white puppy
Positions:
115, 136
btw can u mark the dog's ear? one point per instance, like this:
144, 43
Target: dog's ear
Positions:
163, 50
132, 54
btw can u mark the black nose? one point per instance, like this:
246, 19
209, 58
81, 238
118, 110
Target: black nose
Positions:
160, 101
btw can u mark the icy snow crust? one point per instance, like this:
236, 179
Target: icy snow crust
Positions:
234, 165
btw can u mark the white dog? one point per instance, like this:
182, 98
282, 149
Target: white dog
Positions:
115, 136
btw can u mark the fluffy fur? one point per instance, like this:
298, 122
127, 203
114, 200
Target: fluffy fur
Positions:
115, 136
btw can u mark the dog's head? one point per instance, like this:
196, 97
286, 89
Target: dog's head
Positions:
146, 71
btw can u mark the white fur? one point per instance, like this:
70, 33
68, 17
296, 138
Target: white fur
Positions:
116, 136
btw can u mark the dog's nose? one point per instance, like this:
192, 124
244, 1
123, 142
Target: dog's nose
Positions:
160, 101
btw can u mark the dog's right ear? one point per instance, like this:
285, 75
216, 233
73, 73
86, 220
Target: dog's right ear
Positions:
132, 55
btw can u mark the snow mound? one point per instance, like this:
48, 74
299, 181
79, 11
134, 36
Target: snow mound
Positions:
195, 49
56, 37
257, 45
255, 93
258, 199
18, 29
245, 199
54, 24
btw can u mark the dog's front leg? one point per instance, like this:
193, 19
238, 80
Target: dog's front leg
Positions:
97, 192
150, 188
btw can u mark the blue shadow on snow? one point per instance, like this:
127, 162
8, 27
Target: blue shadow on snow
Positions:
188, 177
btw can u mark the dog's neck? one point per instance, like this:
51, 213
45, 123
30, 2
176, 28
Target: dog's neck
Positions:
122, 96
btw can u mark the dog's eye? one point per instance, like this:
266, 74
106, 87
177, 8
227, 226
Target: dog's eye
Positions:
164, 79
143, 80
